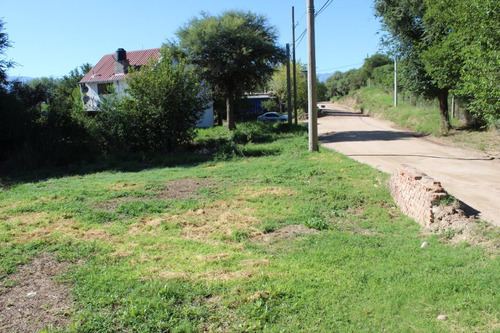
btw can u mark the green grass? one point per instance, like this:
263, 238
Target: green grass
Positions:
216, 259
422, 116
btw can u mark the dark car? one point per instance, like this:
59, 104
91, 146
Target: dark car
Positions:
272, 117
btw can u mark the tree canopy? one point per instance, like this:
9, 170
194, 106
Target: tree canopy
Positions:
234, 52
447, 46
4, 64
167, 100
277, 84
404, 20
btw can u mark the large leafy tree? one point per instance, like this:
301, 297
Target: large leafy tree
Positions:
448, 45
234, 52
411, 37
466, 51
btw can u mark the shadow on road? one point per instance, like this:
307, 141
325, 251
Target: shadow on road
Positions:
366, 136
339, 113
426, 156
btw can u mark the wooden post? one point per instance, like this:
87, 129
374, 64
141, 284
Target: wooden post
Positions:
288, 85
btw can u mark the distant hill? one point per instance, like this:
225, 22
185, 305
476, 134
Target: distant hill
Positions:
24, 79
323, 77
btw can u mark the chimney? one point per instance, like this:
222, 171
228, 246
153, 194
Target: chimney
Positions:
121, 63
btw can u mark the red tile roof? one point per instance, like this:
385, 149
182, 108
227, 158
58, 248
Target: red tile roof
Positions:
105, 68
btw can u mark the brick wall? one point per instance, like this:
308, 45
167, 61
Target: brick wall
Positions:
416, 194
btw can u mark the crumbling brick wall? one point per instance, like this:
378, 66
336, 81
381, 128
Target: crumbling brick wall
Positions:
416, 194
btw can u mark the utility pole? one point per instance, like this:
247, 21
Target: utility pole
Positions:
288, 85
294, 69
311, 79
395, 81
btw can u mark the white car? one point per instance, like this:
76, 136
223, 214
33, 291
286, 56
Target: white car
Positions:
272, 117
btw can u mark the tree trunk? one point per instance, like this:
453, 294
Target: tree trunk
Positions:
220, 115
443, 110
230, 111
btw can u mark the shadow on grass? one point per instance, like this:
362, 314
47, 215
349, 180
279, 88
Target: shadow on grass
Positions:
199, 152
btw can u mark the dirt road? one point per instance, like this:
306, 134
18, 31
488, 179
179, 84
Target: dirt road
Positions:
469, 175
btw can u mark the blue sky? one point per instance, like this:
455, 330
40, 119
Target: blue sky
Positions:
52, 37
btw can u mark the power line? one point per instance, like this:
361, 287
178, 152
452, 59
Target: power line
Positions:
331, 69
300, 38
300, 20
324, 7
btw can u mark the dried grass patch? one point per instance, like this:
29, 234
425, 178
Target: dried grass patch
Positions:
255, 262
125, 186
221, 218
43, 226
225, 275
121, 254
219, 275
213, 257
28, 219
12, 205
179, 189
42, 199
285, 233
182, 188
266, 191
163, 274
146, 225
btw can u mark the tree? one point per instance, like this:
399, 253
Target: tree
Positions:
371, 63
321, 91
466, 51
166, 99
414, 38
277, 84
4, 64
448, 46
38, 125
233, 52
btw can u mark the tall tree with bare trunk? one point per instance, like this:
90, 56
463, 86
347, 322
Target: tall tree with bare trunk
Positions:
234, 52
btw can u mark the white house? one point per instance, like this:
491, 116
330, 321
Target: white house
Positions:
110, 74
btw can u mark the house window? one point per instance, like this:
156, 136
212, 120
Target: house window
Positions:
104, 88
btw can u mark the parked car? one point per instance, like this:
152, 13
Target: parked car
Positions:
272, 117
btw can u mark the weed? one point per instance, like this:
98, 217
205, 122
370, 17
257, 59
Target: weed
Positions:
318, 223
240, 235
448, 200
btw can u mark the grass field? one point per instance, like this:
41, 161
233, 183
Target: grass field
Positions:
423, 117
253, 234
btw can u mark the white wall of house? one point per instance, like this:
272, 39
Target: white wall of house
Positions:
93, 97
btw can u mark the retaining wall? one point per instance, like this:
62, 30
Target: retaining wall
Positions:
416, 194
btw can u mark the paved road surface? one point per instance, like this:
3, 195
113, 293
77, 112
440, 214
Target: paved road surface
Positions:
469, 175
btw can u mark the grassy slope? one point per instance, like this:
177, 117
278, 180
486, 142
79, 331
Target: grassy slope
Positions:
145, 262
423, 118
